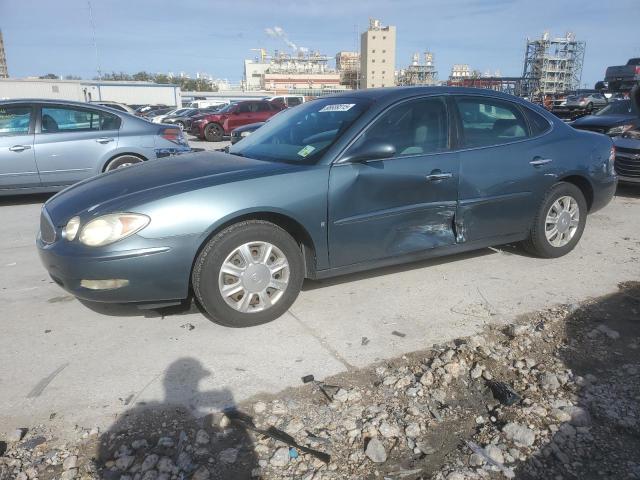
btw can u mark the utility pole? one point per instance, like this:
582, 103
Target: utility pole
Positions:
95, 43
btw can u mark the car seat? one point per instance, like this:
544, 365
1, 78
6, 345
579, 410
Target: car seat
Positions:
49, 125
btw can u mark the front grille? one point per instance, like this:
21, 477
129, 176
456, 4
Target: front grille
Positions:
47, 230
627, 164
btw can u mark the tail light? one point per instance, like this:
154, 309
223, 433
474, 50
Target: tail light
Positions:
173, 135
638, 70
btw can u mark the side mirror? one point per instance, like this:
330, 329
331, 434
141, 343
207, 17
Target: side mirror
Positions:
370, 151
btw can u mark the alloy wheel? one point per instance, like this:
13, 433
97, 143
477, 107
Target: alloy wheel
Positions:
563, 219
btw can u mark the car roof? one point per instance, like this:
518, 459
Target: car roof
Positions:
69, 103
396, 93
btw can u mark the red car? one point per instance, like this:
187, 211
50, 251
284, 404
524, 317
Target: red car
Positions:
214, 126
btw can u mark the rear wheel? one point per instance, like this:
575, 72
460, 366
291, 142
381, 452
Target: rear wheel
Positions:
248, 274
213, 133
180, 125
121, 162
559, 223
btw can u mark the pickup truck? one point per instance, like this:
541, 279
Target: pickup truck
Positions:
623, 77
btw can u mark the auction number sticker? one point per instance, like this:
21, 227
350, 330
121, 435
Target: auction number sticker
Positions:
306, 150
337, 107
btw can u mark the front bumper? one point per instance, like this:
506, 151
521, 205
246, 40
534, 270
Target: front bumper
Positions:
156, 269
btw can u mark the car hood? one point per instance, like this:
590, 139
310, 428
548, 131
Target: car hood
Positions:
604, 120
128, 187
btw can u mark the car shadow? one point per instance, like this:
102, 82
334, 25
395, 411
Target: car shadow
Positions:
28, 199
177, 435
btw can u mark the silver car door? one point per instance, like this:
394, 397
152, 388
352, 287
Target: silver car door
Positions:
17, 161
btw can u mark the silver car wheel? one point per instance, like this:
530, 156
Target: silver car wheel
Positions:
563, 219
254, 277
121, 162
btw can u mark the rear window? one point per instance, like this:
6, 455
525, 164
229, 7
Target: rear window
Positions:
537, 123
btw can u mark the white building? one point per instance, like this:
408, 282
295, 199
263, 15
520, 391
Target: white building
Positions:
91, 90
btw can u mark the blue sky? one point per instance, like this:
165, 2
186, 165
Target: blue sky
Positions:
43, 36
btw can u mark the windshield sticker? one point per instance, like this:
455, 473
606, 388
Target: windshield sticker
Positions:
306, 150
337, 107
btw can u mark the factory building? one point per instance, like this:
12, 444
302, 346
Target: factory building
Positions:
419, 73
553, 65
460, 71
282, 73
92, 90
377, 56
348, 66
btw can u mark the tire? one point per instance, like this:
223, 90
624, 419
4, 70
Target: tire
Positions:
539, 243
244, 305
122, 161
213, 133
180, 125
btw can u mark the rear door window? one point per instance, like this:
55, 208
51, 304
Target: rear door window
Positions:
68, 119
488, 121
15, 119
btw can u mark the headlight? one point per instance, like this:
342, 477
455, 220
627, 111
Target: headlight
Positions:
619, 130
71, 228
111, 228
245, 134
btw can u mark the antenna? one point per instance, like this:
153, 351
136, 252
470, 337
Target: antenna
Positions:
95, 43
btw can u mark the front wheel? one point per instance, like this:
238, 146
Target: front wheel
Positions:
559, 222
248, 274
213, 133
180, 125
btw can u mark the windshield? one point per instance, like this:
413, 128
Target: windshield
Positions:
621, 107
224, 109
304, 133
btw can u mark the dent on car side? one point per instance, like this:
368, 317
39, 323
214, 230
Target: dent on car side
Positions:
352, 217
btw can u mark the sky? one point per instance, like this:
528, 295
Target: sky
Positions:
55, 36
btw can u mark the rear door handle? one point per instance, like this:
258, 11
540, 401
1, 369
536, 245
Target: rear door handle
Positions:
537, 162
19, 148
104, 140
434, 177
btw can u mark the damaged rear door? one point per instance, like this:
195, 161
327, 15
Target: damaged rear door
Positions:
399, 205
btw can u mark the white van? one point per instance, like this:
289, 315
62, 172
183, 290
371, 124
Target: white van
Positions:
288, 100
207, 103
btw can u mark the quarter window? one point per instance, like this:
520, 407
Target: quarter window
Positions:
64, 119
415, 127
486, 121
14, 119
537, 123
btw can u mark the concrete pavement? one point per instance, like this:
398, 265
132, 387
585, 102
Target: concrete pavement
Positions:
87, 364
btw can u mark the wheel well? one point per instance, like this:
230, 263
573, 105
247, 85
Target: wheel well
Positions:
141, 157
291, 226
584, 186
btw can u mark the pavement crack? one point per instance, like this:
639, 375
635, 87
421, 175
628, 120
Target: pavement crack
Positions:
42, 384
323, 343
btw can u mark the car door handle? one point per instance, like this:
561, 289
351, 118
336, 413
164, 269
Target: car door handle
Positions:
104, 140
538, 162
19, 148
434, 177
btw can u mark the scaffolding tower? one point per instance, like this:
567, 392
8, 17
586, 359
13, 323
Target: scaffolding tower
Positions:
4, 72
553, 65
419, 73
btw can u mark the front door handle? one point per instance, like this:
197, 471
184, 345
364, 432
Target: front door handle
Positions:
538, 162
19, 148
434, 177
104, 140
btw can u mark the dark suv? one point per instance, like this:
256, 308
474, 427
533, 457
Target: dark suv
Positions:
215, 126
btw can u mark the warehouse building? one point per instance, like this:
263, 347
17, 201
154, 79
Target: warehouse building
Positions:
91, 90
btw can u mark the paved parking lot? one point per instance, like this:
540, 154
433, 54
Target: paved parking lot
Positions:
86, 364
